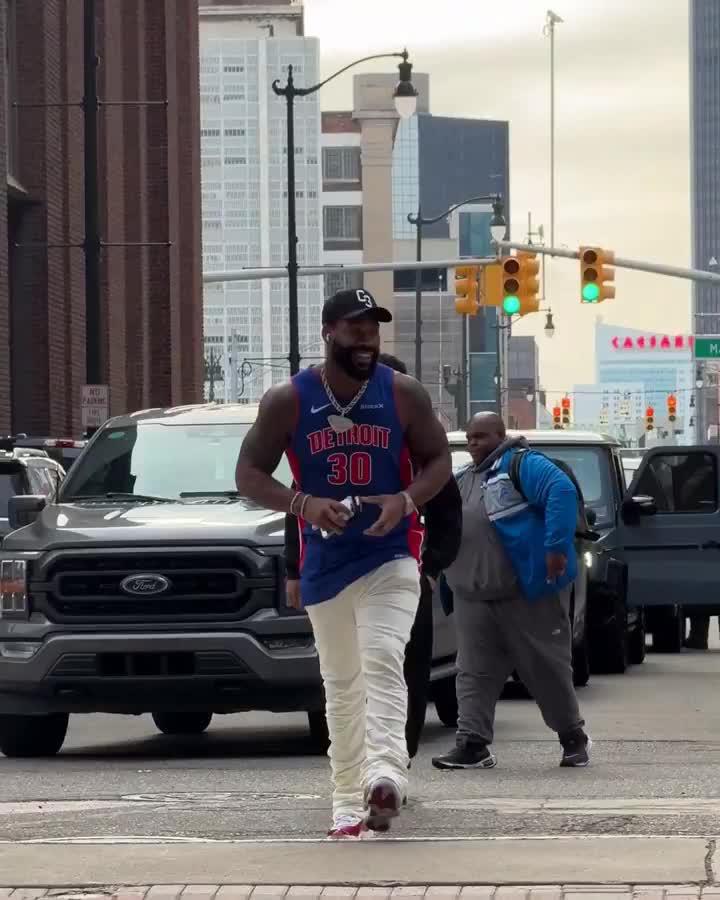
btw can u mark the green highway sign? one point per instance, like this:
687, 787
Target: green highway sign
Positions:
707, 347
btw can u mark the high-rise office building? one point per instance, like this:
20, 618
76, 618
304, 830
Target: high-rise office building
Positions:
705, 139
705, 187
244, 47
439, 161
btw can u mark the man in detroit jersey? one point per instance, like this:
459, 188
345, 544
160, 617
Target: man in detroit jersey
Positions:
353, 428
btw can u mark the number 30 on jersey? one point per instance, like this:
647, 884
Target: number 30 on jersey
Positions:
350, 468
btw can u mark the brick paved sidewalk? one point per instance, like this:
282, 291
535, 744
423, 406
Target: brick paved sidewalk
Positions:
407, 892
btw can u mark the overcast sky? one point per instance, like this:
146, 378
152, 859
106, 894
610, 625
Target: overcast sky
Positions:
622, 139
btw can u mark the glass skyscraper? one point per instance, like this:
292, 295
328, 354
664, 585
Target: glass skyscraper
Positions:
244, 200
705, 162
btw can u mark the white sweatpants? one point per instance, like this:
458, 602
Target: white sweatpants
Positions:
361, 635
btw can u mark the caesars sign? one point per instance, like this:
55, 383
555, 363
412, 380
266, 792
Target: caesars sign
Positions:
654, 342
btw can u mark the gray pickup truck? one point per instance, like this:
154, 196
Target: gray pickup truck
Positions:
150, 586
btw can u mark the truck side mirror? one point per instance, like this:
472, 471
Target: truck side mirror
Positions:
635, 508
24, 509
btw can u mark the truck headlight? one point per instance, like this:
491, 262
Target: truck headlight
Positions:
589, 559
13, 589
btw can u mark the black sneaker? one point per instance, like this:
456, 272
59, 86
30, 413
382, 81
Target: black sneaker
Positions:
468, 756
576, 751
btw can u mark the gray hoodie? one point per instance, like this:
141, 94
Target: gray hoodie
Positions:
481, 568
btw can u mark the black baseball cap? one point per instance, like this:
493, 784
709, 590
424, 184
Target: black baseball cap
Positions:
352, 303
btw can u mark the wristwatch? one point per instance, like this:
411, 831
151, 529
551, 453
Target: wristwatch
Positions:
410, 507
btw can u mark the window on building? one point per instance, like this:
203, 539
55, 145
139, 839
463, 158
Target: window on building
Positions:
340, 281
342, 227
681, 482
233, 93
341, 166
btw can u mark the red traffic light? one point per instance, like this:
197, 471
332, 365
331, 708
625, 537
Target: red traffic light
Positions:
649, 412
556, 410
565, 402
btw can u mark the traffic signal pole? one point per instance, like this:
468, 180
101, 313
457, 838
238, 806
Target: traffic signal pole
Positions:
258, 274
619, 262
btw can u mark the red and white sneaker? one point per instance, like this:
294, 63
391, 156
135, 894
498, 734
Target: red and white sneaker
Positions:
384, 802
347, 828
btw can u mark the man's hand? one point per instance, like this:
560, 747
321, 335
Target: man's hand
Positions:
556, 566
393, 512
292, 592
330, 515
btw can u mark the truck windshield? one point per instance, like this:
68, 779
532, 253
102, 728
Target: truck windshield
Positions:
159, 460
589, 465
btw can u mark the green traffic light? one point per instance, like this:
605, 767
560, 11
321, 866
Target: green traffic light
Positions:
590, 293
511, 305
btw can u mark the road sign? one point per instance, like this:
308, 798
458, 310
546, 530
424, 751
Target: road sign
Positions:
707, 347
95, 405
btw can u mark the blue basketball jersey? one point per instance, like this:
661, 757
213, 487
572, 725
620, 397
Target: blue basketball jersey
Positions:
372, 458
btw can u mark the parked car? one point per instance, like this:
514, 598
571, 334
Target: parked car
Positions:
152, 586
63, 450
26, 472
615, 628
669, 533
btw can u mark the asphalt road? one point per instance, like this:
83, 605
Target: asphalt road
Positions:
656, 733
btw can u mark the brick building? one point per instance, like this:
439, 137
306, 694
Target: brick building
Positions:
149, 178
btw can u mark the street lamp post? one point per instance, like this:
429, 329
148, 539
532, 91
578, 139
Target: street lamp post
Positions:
551, 20
405, 102
498, 230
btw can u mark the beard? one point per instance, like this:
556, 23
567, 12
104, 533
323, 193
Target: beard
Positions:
345, 358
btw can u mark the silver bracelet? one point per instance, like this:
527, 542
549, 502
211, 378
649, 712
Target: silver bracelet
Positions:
306, 497
410, 505
294, 501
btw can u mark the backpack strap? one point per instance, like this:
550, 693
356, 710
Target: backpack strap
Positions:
514, 471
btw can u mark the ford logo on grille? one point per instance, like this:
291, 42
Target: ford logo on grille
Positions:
145, 585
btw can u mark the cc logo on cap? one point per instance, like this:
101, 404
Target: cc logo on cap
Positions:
364, 297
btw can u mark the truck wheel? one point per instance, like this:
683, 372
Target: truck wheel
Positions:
609, 643
319, 733
636, 644
446, 704
32, 736
177, 723
668, 629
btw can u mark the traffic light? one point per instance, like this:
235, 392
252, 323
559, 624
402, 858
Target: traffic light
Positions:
466, 290
491, 289
557, 422
649, 418
520, 284
672, 408
565, 403
595, 275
